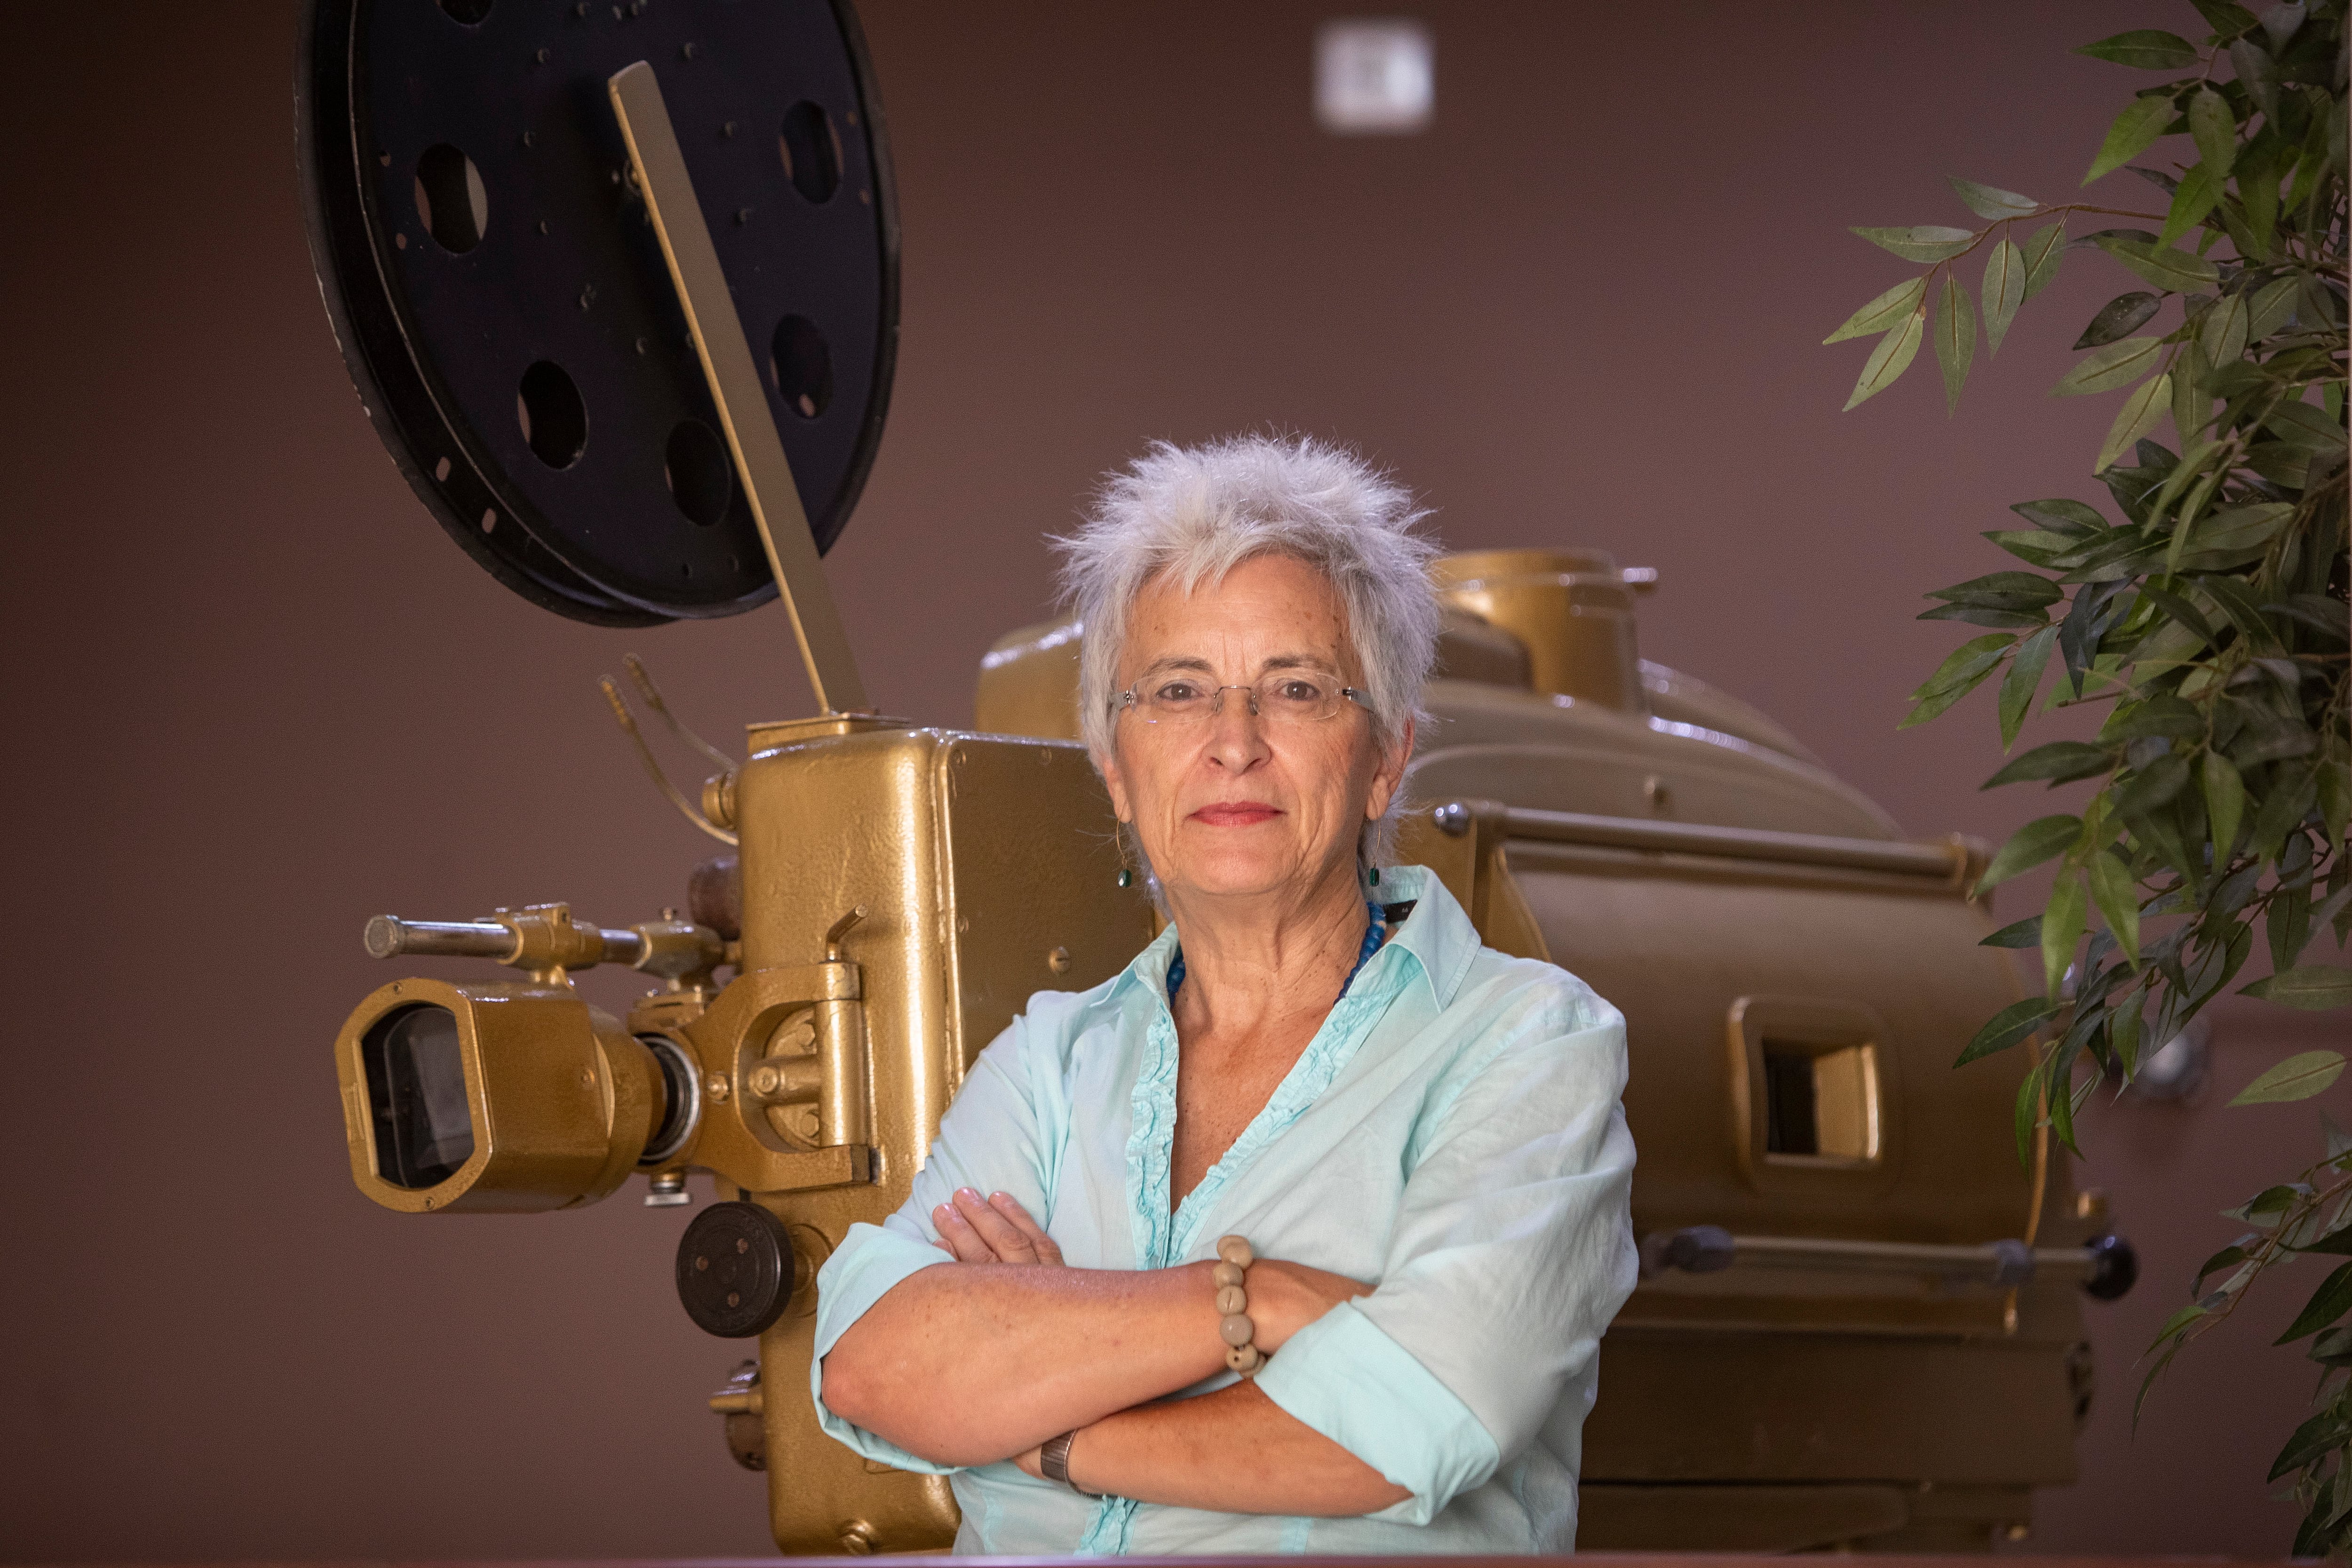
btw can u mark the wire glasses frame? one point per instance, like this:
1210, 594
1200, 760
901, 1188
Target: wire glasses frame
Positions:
1285, 697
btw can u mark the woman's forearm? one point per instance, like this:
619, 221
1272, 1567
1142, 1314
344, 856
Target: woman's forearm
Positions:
1233, 1451
971, 1362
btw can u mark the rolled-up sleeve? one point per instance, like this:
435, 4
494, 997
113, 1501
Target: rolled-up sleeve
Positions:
990, 1140
1512, 1251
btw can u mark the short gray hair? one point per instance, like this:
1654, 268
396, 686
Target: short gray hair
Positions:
1193, 513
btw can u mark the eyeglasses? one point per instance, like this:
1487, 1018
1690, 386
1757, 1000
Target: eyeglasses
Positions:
1288, 697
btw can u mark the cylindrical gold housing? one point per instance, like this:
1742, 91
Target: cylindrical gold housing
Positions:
1572, 609
488, 1099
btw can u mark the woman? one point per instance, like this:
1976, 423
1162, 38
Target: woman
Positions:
1408, 1149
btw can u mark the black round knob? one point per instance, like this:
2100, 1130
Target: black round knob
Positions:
734, 1269
2114, 1266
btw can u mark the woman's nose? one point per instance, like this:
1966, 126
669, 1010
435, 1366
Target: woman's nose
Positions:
1237, 733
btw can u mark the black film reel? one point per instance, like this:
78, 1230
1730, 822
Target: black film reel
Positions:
501, 300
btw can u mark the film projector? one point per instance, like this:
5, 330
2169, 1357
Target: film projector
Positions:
617, 284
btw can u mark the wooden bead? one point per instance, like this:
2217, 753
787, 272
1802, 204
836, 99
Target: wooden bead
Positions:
1245, 1359
1235, 1250
1237, 1329
1226, 1274
1232, 1298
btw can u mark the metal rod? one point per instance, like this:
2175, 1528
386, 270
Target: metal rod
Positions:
727, 364
388, 936
1947, 862
1708, 1250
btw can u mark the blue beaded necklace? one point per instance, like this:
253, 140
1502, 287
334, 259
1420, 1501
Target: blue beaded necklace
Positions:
1374, 934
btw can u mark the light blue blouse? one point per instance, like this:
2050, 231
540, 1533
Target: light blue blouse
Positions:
1452, 1134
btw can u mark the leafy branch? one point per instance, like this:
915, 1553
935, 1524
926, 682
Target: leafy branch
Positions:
2211, 616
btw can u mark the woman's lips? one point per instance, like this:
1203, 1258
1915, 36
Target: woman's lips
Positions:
1236, 813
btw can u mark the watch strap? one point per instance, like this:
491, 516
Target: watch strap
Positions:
1054, 1459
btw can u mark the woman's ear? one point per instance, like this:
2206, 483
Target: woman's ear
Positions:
1107, 765
1388, 777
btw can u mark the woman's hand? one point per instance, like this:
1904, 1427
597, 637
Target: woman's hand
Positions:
1284, 1298
974, 1229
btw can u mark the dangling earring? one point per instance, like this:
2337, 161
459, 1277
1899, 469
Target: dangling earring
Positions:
1126, 877
1375, 876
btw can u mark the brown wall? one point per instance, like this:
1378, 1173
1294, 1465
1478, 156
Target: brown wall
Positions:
257, 697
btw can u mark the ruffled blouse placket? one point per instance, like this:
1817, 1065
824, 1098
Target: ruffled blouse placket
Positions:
1166, 1233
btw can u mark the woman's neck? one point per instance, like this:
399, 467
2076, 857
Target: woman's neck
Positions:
1251, 964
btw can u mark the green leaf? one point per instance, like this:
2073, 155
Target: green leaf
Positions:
2062, 515
2225, 803
1956, 339
2280, 21
2329, 1302
2334, 781
2004, 291
2134, 130
2025, 678
1882, 313
2164, 266
2117, 896
2105, 369
2223, 332
1921, 242
2063, 922
2007, 1028
2274, 306
2301, 425
2215, 131
2312, 988
1966, 665
2004, 590
2232, 535
2119, 316
2144, 49
1890, 359
2142, 412
2193, 406
2198, 192
2152, 786
2322, 1434
2044, 248
1990, 201
2056, 761
2224, 17
1984, 616
2028, 847
2258, 74
2026, 933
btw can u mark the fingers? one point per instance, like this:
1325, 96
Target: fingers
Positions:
1010, 1244
957, 1234
1047, 1251
991, 1230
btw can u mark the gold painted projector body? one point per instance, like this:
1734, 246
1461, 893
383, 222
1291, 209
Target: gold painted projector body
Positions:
1859, 1320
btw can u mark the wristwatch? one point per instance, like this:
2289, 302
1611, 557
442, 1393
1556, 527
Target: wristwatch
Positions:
1053, 1458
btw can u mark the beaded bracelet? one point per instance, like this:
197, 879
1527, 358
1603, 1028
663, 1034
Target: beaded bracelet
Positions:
1232, 1274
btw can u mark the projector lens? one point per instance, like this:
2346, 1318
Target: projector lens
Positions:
416, 1094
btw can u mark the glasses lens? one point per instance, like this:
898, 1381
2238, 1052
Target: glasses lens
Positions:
1295, 695
1174, 701
417, 1092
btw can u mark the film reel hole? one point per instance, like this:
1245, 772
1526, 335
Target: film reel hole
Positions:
702, 479
450, 199
803, 366
811, 150
465, 13
554, 421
